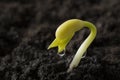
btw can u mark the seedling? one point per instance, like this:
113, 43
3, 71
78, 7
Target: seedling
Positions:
65, 32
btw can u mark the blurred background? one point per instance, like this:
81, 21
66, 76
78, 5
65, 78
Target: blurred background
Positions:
27, 27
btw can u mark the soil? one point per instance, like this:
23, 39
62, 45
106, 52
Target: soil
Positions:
27, 27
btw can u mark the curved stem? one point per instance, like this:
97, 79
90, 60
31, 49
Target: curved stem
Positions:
84, 45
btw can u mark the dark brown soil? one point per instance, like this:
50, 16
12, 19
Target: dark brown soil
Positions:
27, 28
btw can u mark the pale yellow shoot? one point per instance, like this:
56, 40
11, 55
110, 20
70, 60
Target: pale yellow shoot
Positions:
65, 32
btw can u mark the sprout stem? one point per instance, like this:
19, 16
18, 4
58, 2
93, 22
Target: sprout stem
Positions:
84, 45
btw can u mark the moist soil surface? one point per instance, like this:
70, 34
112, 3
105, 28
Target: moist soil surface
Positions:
27, 27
